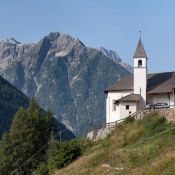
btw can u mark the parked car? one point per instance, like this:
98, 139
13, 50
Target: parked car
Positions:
157, 106
150, 106
161, 105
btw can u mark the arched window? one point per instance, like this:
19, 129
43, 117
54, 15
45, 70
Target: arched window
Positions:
140, 63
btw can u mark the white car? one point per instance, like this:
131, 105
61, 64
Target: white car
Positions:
161, 105
150, 106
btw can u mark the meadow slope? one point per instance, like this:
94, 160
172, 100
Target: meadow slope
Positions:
142, 147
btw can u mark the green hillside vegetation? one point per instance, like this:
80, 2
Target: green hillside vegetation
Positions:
33, 144
135, 147
61, 154
10, 100
30, 131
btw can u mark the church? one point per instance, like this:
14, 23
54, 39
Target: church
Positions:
134, 92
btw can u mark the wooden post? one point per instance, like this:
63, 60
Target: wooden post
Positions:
174, 97
60, 136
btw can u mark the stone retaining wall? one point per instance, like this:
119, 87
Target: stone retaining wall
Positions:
169, 114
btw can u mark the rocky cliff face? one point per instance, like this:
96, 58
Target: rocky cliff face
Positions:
115, 57
63, 75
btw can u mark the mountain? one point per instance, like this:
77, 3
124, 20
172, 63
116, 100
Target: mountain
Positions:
64, 75
11, 99
115, 57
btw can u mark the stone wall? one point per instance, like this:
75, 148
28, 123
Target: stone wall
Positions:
169, 114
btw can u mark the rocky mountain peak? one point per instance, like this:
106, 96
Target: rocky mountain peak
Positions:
9, 41
61, 39
64, 75
110, 54
60, 44
115, 57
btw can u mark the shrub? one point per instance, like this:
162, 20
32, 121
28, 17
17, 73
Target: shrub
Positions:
61, 154
42, 169
129, 119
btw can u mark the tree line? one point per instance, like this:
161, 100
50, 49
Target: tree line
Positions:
30, 148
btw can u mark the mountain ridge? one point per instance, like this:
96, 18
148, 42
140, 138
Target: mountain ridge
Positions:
115, 57
64, 75
11, 100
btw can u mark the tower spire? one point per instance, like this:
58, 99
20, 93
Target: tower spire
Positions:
140, 51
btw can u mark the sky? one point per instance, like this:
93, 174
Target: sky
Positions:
113, 24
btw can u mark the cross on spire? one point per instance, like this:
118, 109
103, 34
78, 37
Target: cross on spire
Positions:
140, 34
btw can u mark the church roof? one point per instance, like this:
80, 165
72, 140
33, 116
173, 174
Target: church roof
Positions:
140, 51
156, 83
129, 98
123, 84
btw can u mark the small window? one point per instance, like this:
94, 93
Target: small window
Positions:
140, 63
127, 107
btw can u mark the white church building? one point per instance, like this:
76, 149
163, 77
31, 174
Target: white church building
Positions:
132, 93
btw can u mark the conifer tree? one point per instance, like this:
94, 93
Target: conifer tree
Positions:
30, 131
6, 152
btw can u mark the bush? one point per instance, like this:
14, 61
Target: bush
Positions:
42, 169
129, 119
61, 154
83, 144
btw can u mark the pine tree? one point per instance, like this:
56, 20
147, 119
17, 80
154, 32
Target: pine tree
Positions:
6, 151
30, 131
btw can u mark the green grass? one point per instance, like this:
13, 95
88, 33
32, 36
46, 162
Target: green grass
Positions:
141, 147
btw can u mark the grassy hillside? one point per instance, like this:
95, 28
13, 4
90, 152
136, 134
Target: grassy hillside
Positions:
142, 147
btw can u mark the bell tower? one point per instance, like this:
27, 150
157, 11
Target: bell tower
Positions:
140, 72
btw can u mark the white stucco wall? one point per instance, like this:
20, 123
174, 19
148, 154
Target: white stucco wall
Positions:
125, 113
163, 98
144, 62
121, 112
149, 99
111, 115
172, 100
140, 78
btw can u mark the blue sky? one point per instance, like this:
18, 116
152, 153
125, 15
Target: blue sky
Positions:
113, 24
